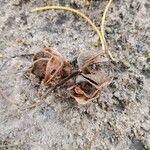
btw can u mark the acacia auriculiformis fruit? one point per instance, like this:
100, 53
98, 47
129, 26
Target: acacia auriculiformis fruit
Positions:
87, 83
50, 66
90, 82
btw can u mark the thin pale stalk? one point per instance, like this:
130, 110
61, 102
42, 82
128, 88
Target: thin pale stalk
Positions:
76, 12
103, 29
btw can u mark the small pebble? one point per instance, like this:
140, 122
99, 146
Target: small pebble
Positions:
117, 94
146, 126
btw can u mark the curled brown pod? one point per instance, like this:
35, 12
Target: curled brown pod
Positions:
50, 66
86, 82
90, 82
83, 91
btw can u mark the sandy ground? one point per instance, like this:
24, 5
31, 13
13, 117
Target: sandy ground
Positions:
118, 120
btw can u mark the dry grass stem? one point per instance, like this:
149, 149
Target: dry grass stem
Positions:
76, 12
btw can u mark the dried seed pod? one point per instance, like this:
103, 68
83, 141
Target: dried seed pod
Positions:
98, 78
83, 91
53, 69
87, 82
91, 80
39, 68
50, 66
41, 54
86, 60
